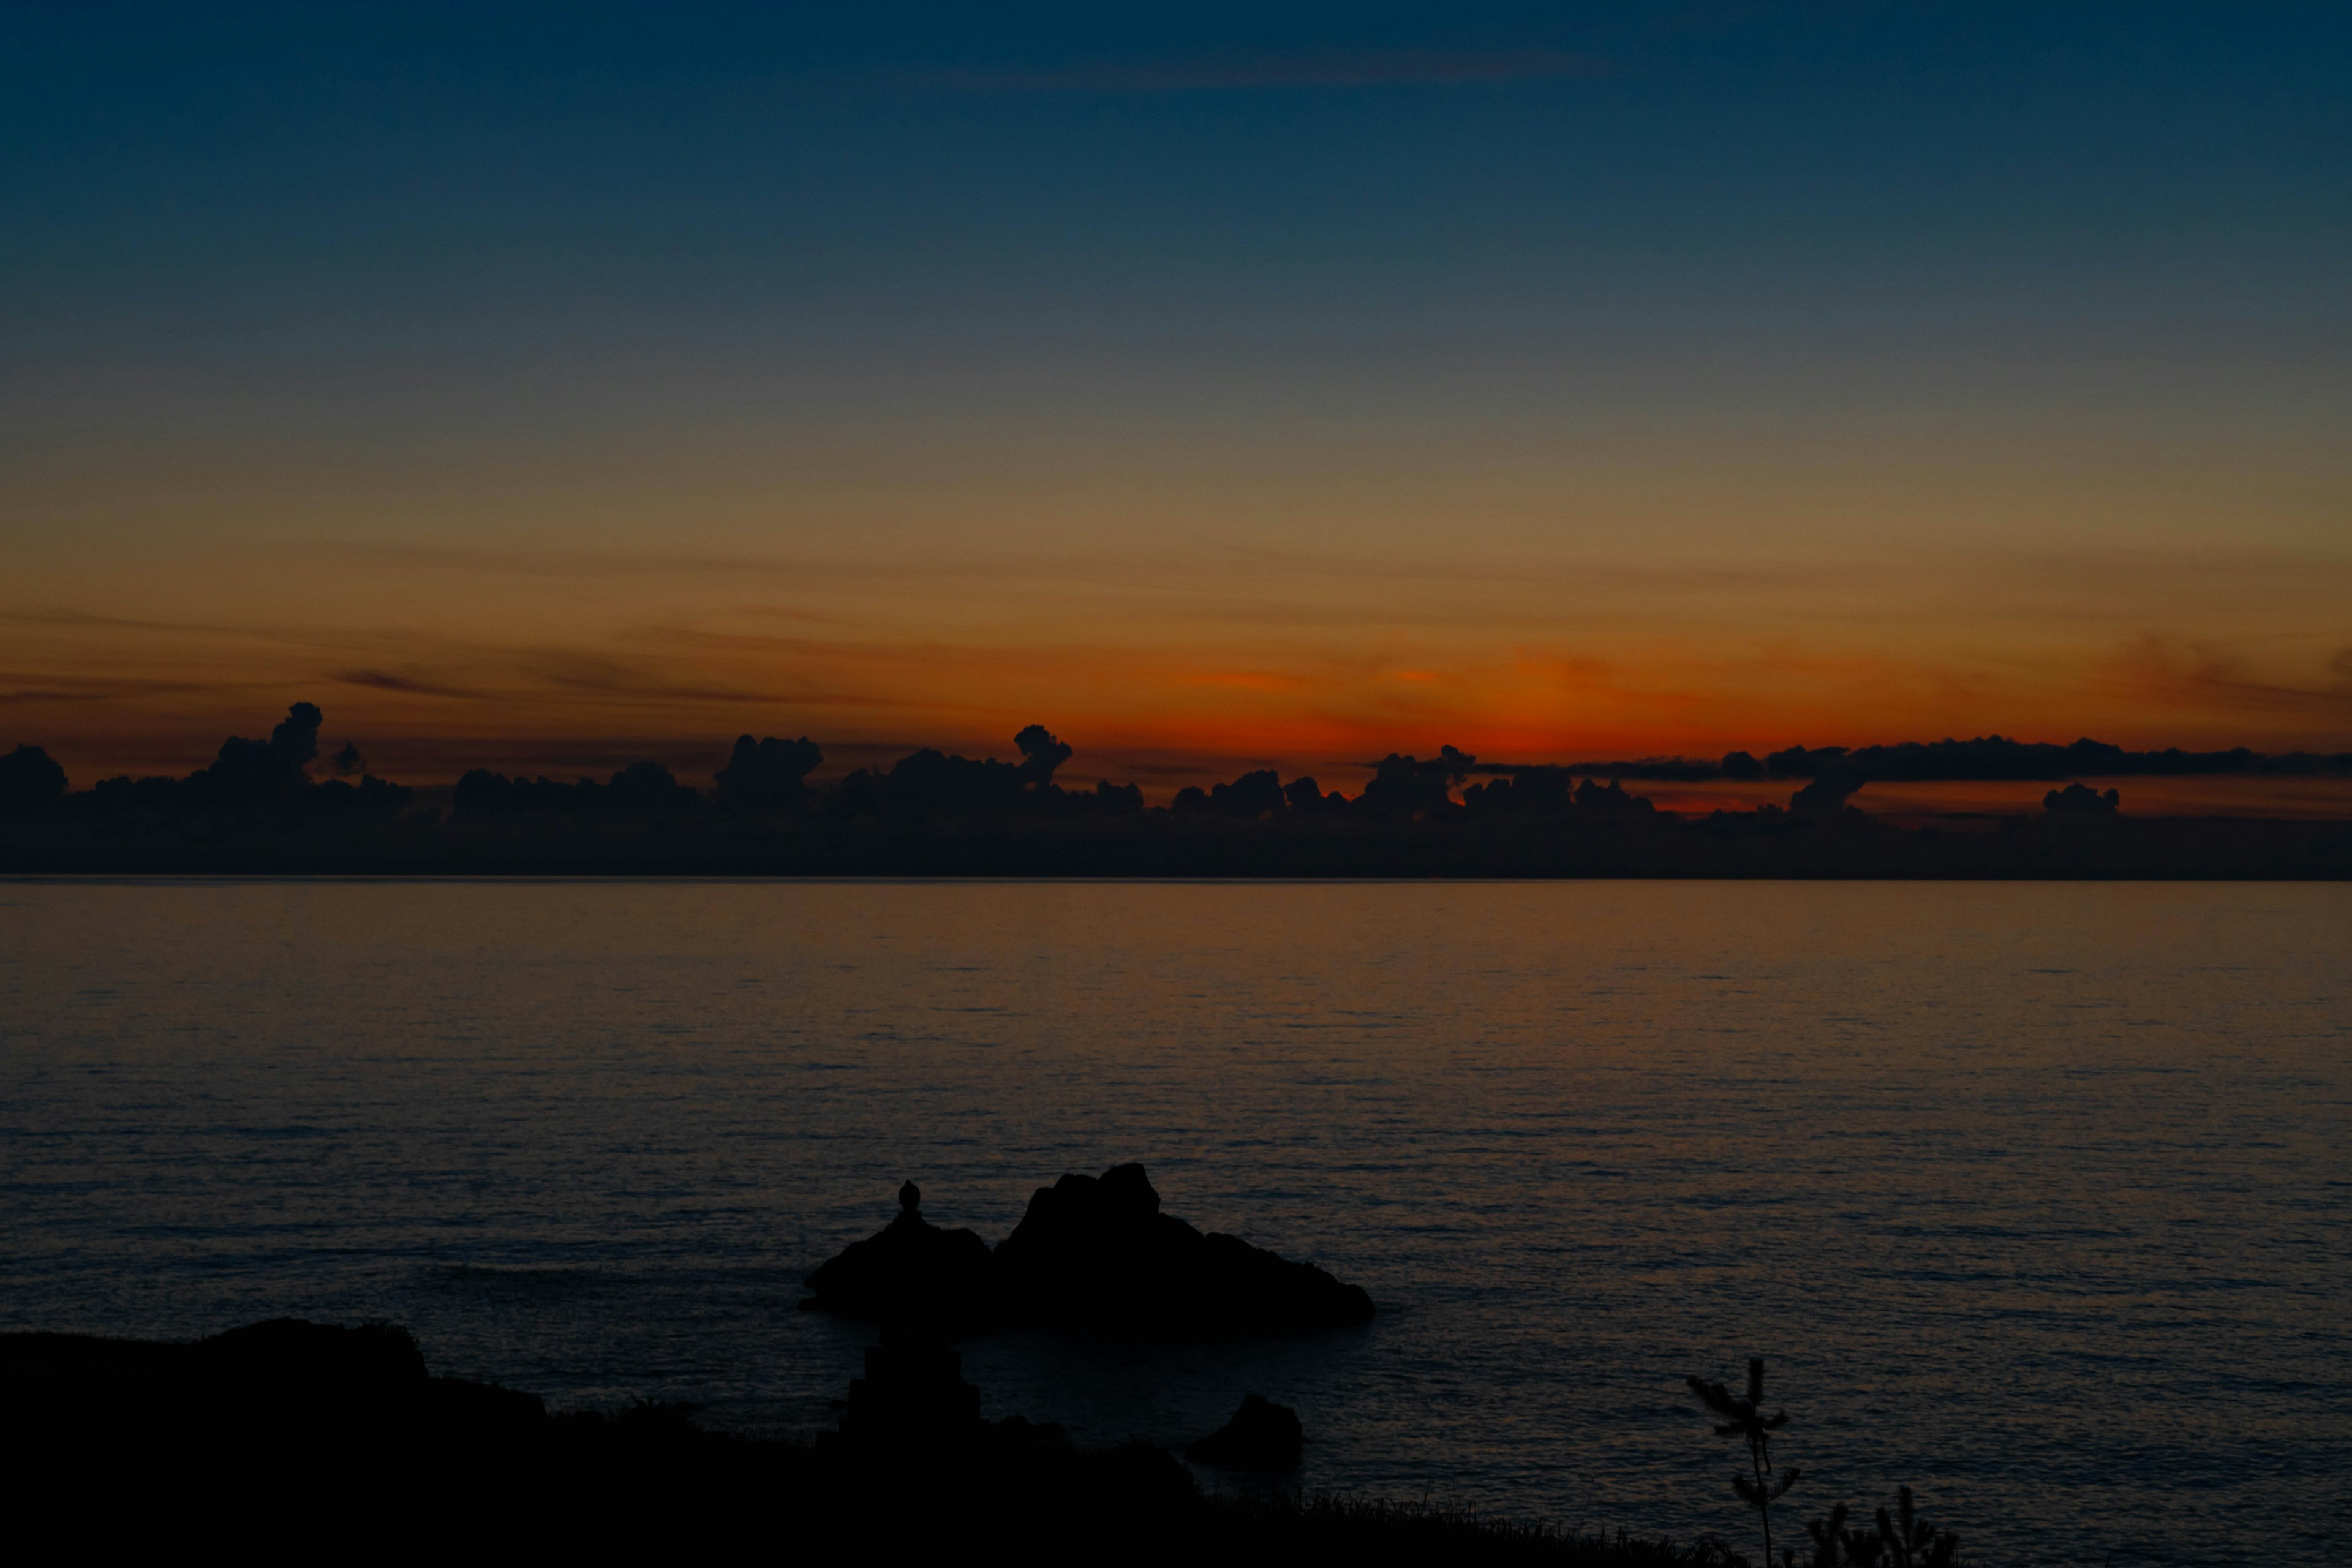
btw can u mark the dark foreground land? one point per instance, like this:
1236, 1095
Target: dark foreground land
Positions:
289, 1436
1158, 844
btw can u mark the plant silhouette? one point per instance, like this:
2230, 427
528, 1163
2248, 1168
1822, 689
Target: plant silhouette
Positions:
1744, 1418
1902, 1539
1910, 1541
1833, 1544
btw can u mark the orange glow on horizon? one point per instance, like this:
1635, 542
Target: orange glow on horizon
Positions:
1300, 565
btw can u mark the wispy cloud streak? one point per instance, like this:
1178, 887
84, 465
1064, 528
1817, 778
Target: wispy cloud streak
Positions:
385, 680
1225, 73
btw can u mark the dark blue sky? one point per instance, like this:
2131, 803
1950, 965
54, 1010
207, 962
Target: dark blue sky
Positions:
176, 174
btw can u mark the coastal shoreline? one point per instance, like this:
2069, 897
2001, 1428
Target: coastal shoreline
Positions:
322, 1436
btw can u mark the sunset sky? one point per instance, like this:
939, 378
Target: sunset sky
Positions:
1233, 386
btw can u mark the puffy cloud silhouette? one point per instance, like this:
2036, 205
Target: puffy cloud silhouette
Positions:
294, 741
1305, 798
1406, 786
1797, 763
250, 780
2081, 800
1106, 799
1528, 792
256, 771
1545, 791
640, 791
1612, 800
1987, 758
768, 775
649, 789
371, 794
1996, 757
29, 779
247, 775
931, 782
1042, 752
1825, 798
1251, 797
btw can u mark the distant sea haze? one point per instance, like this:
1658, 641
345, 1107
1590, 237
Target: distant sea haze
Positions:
2031, 1194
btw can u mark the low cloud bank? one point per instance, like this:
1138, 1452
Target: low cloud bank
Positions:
247, 777
768, 777
1988, 758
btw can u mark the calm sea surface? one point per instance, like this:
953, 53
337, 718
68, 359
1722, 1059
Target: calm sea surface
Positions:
2038, 1197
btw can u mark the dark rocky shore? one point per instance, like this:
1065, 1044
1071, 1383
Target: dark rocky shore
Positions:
289, 1438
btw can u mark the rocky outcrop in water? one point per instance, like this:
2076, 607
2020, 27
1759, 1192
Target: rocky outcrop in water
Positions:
1092, 1255
912, 1270
1097, 1256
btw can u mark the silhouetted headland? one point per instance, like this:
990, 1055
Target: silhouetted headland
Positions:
334, 1382
1092, 1255
258, 809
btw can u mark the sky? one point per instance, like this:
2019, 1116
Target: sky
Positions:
543, 387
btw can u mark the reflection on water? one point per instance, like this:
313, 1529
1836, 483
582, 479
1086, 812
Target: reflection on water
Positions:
2036, 1197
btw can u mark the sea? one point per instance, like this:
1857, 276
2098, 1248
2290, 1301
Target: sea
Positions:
2036, 1198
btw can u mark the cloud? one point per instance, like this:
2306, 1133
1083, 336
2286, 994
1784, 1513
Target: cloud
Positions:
1247, 680
113, 623
590, 675
385, 680
96, 689
1224, 73
2193, 671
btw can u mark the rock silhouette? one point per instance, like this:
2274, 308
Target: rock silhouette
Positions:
1092, 1255
1262, 1435
913, 1394
912, 1270
272, 1380
1097, 1256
